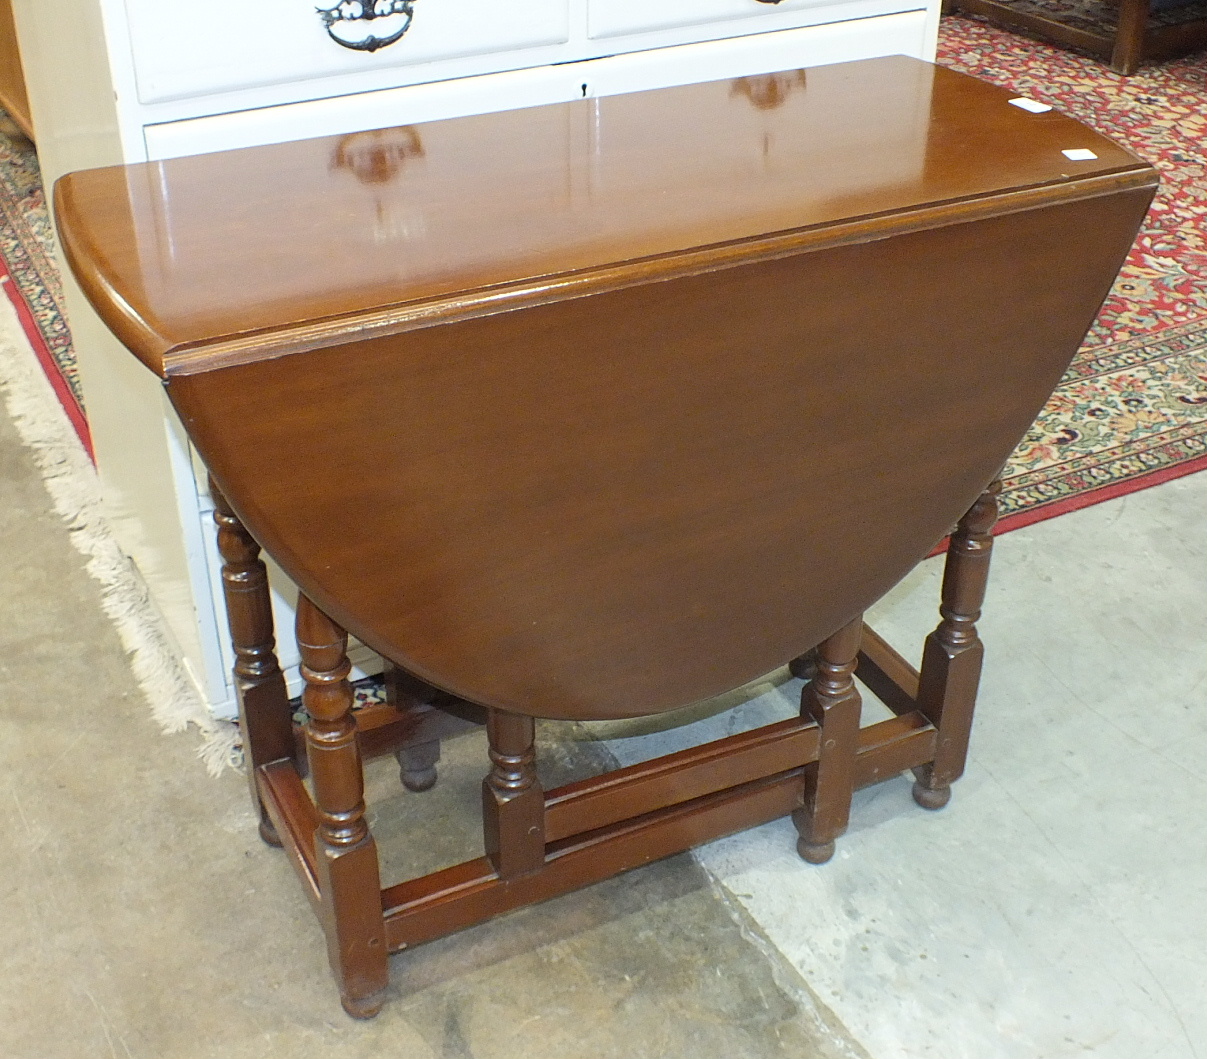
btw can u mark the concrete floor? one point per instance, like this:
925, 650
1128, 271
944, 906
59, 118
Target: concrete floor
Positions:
1058, 906
1055, 908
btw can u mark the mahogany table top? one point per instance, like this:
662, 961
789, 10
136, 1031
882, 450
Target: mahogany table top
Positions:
602, 408
300, 242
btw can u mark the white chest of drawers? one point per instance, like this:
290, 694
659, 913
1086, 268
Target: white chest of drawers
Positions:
139, 80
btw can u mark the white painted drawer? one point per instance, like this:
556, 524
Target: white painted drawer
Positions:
368, 110
183, 50
614, 18
906, 33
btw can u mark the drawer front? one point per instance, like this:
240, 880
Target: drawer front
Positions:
364, 111
614, 18
189, 50
907, 33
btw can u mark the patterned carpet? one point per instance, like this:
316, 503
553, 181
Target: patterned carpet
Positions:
28, 272
1132, 410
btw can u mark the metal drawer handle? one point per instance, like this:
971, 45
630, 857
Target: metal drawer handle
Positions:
366, 25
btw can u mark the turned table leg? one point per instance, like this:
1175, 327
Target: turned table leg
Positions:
349, 876
417, 765
951, 659
832, 700
513, 803
264, 713
417, 759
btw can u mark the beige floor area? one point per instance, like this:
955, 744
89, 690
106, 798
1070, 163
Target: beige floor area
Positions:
1055, 908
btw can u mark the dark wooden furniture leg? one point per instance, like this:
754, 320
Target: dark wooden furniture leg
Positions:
417, 765
348, 875
416, 760
513, 803
424, 717
805, 666
832, 700
951, 659
1129, 36
264, 712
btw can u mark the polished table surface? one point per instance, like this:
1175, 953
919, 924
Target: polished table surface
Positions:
243, 254
602, 408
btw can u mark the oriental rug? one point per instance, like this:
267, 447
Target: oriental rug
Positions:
1132, 409
29, 275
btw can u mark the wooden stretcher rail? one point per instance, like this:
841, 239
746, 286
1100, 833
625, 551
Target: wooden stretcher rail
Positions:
888, 676
423, 909
724, 763
893, 746
434, 905
293, 815
412, 916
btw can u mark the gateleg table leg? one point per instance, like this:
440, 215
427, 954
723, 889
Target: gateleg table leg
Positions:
513, 803
264, 713
951, 658
417, 761
348, 870
833, 701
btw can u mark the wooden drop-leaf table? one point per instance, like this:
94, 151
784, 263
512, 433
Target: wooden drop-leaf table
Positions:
595, 410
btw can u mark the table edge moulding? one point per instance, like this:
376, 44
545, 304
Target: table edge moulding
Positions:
597, 410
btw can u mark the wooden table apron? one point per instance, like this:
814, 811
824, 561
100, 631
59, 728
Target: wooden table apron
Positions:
601, 422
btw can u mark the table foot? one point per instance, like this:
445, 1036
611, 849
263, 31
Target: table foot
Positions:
815, 853
418, 782
269, 834
931, 797
417, 765
364, 1007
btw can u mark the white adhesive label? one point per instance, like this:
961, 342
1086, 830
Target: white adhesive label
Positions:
1079, 154
1030, 105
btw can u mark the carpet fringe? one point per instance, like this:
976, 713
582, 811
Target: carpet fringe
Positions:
75, 493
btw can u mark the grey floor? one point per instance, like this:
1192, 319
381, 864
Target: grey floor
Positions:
1055, 908
1058, 905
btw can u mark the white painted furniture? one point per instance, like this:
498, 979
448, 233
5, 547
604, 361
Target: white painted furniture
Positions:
139, 80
